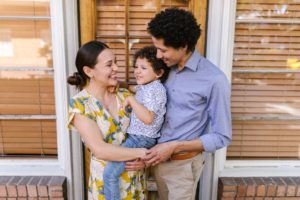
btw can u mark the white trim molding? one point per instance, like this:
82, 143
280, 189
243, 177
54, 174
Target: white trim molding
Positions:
60, 166
72, 46
61, 97
220, 40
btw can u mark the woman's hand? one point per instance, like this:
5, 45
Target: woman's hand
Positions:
135, 165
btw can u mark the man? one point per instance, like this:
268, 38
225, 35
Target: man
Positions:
198, 109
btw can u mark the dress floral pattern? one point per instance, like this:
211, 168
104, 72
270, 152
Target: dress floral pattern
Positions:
132, 184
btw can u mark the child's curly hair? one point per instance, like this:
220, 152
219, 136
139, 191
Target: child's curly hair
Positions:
149, 53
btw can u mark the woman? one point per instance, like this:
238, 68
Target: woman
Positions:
95, 112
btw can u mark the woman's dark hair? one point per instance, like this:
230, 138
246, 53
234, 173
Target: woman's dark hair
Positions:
177, 27
86, 56
149, 53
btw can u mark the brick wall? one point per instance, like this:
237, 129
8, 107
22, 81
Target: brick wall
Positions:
33, 188
259, 188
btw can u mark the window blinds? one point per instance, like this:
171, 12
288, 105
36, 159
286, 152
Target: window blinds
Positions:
266, 80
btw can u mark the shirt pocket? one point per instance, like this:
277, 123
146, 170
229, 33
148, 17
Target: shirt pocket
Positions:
197, 99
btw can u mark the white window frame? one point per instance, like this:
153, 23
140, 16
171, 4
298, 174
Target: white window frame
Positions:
220, 41
62, 165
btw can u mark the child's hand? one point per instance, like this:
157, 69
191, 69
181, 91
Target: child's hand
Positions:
127, 102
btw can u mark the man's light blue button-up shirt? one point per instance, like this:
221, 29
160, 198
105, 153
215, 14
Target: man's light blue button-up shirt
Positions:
198, 105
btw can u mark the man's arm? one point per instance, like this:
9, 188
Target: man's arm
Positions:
162, 152
219, 113
220, 129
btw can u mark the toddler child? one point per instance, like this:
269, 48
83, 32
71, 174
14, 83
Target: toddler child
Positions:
148, 109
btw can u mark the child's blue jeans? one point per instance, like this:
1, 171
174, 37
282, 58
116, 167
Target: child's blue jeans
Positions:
113, 170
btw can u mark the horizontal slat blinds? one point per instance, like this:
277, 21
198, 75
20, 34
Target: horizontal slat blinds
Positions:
266, 81
27, 96
24, 8
27, 104
122, 24
28, 137
268, 138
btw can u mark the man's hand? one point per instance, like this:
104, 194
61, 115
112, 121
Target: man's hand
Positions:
160, 153
135, 165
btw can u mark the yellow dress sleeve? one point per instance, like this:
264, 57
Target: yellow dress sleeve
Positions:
76, 105
123, 93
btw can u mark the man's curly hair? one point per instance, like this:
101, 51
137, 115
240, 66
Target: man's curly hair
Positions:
177, 27
149, 53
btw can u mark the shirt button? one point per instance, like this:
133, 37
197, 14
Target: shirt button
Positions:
173, 90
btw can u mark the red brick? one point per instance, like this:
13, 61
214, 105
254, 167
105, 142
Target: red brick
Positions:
271, 186
261, 187
242, 187
221, 199
229, 194
11, 198
53, 193
21, 187
32, 186
3, 181
249, 198
291, 186
3, 192
22, 198
56, 186
22, 191
259, 198
43, 198
281, 187
298, 191
297, 181
251, 187
268, 198
240, 198
228, 184
11, 186
261, 191
43, 187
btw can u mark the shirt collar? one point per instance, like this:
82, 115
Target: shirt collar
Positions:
150, 84
193, 61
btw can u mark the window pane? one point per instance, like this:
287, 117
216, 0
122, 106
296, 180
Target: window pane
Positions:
24, 39
24, 8
28, 137
26, 93
27, 103
111, 18
266, 81
124, 28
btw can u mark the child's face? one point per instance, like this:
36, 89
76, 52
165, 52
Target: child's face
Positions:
144, 72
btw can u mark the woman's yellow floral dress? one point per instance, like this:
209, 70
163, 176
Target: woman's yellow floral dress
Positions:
132, 184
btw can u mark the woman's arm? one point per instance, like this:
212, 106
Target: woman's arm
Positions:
92, 137
142, 113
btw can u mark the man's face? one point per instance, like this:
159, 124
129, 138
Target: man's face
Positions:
169, 55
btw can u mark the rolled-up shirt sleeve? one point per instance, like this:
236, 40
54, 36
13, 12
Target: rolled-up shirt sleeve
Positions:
155, 100
220, 130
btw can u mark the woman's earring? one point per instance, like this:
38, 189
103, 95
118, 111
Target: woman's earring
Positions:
92, 79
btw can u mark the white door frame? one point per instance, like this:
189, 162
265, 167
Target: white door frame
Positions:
220, 40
